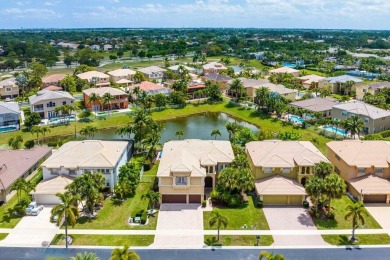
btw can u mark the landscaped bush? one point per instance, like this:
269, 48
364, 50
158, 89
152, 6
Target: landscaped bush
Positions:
203, 203
259, 204
234, 201
144, 218
29, 144
52, 143
330, 215
215, 196
306, 204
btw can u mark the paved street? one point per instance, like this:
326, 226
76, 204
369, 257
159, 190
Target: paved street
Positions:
292, 218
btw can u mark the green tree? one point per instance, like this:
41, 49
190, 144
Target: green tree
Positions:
29, 144
15, 142
153, 198
85, 256
21, 185
270, 256
37, 130
357, 212
237, 88
124, 254
44, 131
89, 131
354, 125
31, 120
107, 98
218, 220
179, 134
125, 130
261, 96
160, 100
215, 133
235, 180
94, 98
232, 128
69, 84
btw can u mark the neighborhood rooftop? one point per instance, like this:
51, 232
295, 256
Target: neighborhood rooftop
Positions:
121, 72
279, 185
379, 85
53, 185
9, 107
316, 104
152, 70
103, 90
284, 70
343, 79
49, 95
7, 82
361, 108
92, 74
53, 78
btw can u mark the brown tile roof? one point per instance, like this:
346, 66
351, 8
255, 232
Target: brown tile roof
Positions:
147, 86
53, 88
53, 78
371, 184
14, 163
278, 185
103, 90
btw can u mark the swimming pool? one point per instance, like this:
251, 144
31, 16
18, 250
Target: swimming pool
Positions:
7, 129
336, 130
295, 119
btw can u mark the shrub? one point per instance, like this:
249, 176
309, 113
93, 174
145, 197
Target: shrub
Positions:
330, 215
306, 204
234, 201
52, 143
214, 195
29, 144
203, 203
144, 218
259, 204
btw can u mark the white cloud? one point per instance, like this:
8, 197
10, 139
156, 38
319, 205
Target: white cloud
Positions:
29, 13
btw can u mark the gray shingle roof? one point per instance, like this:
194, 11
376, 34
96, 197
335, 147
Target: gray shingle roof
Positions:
343, 79
361, 108
9, 107
49, 95
316, 104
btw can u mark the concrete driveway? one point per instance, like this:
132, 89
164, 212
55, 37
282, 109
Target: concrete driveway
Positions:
291, 218
32, 230
179, 225
380, 212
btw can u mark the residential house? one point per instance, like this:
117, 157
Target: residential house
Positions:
373, 89
45, 102
99, 79
8, 88
9, 117
365, 166
122, 76
53, 88
95, 47
151, 88
107, 47
120, 100
175, 69
321, 105
52, 80
375, 119
311, 81
45, 192
336, 84
188, 167
15, 164
154, 73
213, 68
282, 168
284, 70
68, 45
89, 156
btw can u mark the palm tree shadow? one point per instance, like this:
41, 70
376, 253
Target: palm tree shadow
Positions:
344, 240
212, 242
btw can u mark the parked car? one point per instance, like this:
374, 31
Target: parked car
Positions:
33, 209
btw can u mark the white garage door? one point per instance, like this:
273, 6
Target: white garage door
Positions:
46, 199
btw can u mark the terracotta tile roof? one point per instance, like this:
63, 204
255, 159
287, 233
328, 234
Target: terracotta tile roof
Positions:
53, 185
151, 88
14, 163
284, 70
53, 78
121, 72
103, 90
53, 88
279, 185
91, 74
371, 184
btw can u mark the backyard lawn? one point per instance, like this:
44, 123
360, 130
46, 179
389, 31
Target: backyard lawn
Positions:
106, 240
247, 215
340, 211
3, 235
238, 240
115, 215
372, 239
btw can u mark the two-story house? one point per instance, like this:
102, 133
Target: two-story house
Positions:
119, 100
284, 70
188, 167
45, 102
78, 157
176, 69
213, 67
52, 80
316, 105
97, 78
122, 76
338, 84
154, 73
9, 117
375, 119
373, 89
365, 166
281, 169
8, 88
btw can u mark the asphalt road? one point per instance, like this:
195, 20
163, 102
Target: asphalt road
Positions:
201, 254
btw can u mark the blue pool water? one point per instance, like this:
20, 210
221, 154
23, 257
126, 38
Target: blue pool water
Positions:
292, 65
295, 119
335, 130
7, 129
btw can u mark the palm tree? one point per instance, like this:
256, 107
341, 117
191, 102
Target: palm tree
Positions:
335, 187
219, 220
357, 212
92, 99
153, 197
262, 94
107, 99
15, 142
45, 130
215, 133
21, 185
179, 134
124, 254
270, 256
36, 130
232, 128
237, 87
89, 131
66, 210
125, 130
354, 125
85, 256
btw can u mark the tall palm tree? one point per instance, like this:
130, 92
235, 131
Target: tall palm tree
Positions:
15, 142
66, 210
179, 134
92, 99
124, 254
153, 197
270, 256
125, 130
354, 125
232, 128
237, 87
335, 187
21, 185
107, 98
85, 256
357, 212
45, 130
36, 130
219, 220
215, 133
261, 96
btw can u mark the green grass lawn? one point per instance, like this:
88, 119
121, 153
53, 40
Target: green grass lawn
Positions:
106, 240
372, 239
3, 235
340, 211
246, 214
238, 240
115, 215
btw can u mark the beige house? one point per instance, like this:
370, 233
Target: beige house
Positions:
281, 169
97, 78
45, 192
373, 89
122, 76
318, 104
154, 73
375, 119
251, 85
45, 102
52, 80
283, 70
213, 67
310, 81
335, 84
176, 69
365, 166
188, 167
8, 88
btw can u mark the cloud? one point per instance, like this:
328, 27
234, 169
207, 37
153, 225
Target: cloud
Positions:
35, 13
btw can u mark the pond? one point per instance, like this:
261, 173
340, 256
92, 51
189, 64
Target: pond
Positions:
194, 127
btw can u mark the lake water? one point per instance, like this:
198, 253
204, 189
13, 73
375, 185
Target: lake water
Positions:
195, 127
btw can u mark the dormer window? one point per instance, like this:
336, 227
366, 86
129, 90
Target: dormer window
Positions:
181, 180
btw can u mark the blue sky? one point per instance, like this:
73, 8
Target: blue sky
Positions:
353, 14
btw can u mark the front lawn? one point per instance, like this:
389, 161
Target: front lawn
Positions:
238, 240
106, 240
372, 239
3, 235
115, 215
340, 211
7, 218
246, 214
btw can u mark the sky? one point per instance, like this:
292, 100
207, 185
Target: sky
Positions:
321, 14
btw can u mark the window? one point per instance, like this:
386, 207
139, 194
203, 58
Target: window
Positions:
364, 90
344, 113
181, 180
8, 89
378, 169
366, 119
72, 172
286, 170
54, 171
63, 102
51, 104
362, 170
267, 170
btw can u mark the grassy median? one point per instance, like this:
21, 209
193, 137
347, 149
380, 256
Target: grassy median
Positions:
238, 240
372, 239
106, 240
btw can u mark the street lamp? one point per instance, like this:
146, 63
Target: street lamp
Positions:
257, 238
